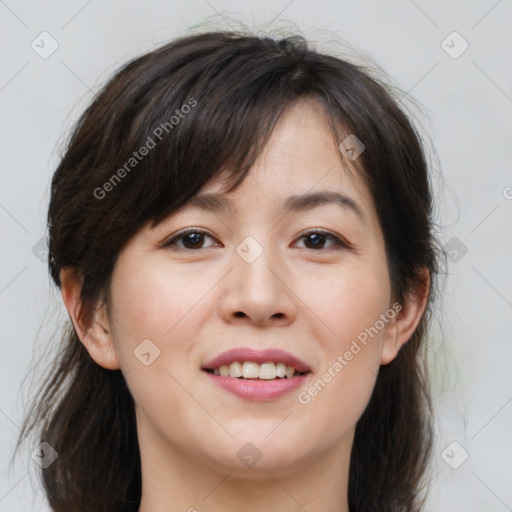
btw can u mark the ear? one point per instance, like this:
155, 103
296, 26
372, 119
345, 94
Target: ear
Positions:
402, 327
97, 338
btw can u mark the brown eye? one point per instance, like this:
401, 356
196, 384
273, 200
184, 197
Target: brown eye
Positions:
188, 240
316, 240
194, 239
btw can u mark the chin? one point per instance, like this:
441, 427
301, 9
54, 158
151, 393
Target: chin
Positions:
255, 453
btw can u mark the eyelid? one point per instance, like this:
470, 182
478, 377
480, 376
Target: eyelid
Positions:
175, 236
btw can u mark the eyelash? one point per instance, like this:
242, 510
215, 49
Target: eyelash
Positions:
338, 242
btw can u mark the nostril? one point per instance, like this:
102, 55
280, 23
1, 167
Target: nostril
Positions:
240, 314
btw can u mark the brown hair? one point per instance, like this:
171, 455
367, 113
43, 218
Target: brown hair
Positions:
236, 87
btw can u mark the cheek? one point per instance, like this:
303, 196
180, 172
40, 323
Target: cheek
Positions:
168, 308
165, 310
347, 304
342, 387
342, 395
152, 303
350, 307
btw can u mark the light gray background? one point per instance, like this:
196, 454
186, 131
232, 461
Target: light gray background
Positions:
469, 105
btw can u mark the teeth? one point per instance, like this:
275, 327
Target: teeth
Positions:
235, 369
280, 370
267, 371
251, 370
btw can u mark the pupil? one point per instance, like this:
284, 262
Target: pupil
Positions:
194, 238
316, 239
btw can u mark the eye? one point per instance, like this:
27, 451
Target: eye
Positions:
316, 239
192, 238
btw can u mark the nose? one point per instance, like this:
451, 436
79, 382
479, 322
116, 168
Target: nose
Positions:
258, 292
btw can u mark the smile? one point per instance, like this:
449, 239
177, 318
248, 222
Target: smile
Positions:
252, 370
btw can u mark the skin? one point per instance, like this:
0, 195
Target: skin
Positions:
312, 302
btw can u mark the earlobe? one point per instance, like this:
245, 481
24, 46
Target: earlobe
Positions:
94, 333
406, 320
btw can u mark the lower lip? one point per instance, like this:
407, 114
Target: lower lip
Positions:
258, 390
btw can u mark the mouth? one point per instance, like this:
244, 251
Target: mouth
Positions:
257, 382
250, 370
250, 364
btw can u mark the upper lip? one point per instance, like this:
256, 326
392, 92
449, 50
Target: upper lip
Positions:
257, 356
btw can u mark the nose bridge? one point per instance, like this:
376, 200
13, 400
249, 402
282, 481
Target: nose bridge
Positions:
256, 265
256, 284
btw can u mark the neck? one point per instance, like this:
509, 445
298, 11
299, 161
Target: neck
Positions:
173, 479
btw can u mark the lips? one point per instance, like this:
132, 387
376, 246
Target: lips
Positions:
257, 356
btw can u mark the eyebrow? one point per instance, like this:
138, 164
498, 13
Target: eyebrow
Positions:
294, 203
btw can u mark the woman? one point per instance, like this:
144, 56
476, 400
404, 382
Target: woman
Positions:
241, 231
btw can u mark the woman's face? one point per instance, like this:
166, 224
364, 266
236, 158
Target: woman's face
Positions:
257, 276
